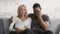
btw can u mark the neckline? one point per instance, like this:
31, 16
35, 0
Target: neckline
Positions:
24, 20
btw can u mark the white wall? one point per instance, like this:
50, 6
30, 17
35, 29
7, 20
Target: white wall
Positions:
49, 7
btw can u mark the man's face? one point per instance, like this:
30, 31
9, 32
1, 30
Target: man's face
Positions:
37, 9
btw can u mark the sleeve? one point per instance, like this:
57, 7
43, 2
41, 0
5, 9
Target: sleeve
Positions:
30, 15
11, 25
46, 18
28, 23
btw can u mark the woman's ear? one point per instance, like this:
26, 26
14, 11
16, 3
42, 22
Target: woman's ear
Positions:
25, 12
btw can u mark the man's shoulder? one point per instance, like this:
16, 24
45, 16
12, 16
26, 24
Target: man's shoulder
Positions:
31, 14
44, 15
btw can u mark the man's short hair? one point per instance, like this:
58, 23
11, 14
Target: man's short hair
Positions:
37, 5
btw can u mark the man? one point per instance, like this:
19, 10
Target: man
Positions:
40, 23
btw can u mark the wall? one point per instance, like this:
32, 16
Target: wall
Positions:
49, 7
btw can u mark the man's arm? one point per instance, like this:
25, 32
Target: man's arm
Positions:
44, 24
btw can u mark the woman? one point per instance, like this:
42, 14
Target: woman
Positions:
22, 22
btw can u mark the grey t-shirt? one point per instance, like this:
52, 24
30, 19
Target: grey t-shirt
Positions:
35, 25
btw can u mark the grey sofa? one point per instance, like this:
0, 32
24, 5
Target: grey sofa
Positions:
1, 27
4, 25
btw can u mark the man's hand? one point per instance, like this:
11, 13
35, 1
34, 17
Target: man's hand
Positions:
11, 19
38, 12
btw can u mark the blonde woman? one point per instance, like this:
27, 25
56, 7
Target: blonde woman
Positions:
22, 22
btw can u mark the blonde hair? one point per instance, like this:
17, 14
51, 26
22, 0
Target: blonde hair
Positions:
20, 6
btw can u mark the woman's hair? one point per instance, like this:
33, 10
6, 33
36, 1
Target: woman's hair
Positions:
20, 6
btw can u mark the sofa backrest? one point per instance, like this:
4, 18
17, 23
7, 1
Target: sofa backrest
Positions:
1, 26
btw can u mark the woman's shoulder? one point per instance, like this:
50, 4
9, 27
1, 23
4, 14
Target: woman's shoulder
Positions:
15, 18
29, 18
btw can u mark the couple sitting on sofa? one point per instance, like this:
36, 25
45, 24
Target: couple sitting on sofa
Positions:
30, 24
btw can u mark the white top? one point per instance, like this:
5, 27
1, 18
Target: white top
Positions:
19, 23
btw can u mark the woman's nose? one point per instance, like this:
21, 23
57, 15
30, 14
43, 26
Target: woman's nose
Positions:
23, 11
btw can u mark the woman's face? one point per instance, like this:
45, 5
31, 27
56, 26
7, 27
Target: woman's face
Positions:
22, 11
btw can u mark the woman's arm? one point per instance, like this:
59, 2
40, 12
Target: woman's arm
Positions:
12, 24
18, 30
11, 27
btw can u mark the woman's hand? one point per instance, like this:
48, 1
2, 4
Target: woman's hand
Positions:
20, 29
17, 30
